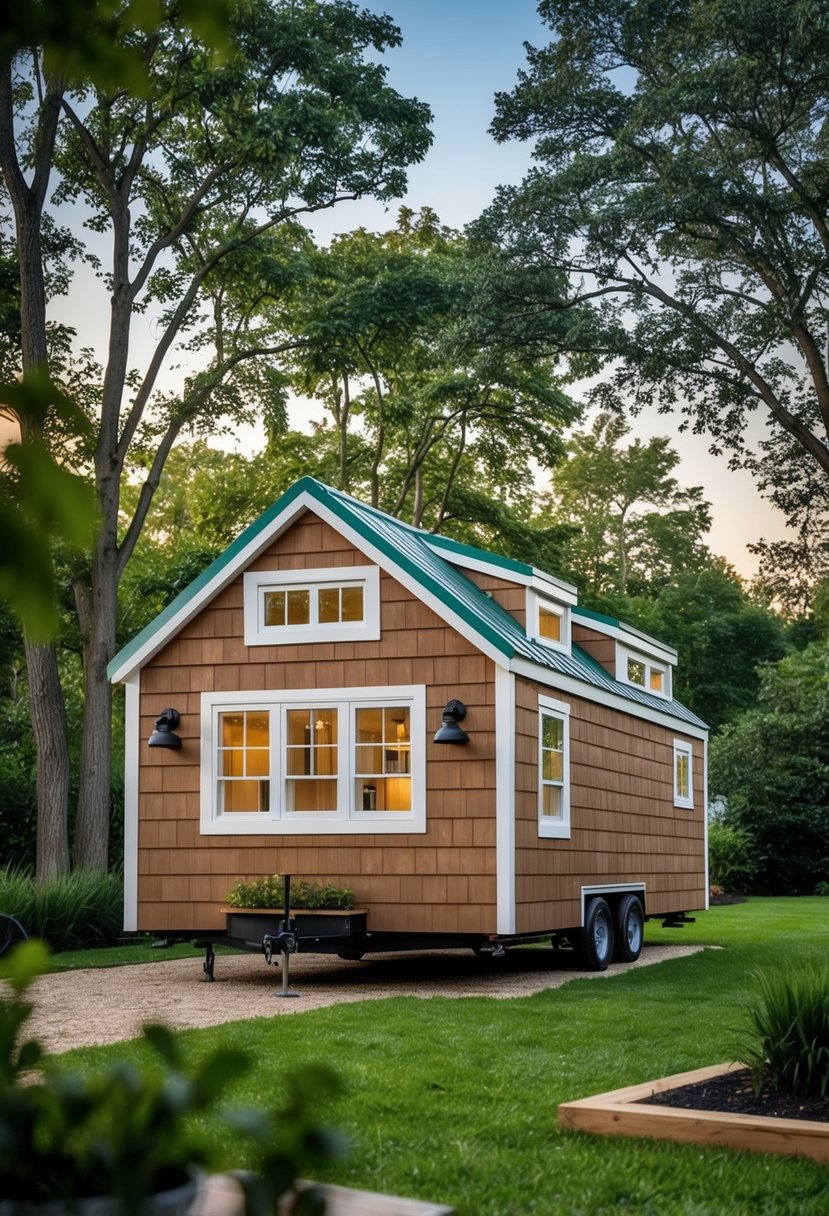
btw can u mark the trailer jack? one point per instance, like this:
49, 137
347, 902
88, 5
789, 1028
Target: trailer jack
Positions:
285, 941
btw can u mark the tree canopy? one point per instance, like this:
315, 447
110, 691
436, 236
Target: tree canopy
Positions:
771, 768
682, 187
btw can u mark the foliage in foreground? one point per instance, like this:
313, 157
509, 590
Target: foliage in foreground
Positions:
127, 1133
72, 911
787, 1040
455, 1100
268, 893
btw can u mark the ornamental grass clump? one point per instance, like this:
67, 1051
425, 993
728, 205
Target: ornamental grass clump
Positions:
787, 1047
269, 893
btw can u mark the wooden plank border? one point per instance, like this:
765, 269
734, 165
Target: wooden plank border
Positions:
626, 1112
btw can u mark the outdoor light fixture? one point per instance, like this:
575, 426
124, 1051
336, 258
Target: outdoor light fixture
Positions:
449, 731
165, 724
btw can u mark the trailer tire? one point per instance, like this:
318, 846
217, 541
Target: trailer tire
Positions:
596, 936
630, 929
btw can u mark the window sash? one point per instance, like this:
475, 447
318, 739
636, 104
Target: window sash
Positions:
319, 767
683, 774
553, 768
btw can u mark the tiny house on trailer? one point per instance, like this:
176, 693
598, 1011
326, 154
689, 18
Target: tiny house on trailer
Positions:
347, 698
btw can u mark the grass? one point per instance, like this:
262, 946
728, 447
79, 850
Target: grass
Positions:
455, 1100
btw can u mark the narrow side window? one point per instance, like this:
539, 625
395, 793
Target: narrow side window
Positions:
683, 774
553, 769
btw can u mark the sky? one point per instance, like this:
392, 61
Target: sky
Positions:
455, 55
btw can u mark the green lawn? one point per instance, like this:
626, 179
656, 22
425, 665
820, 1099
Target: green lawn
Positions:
456, 1099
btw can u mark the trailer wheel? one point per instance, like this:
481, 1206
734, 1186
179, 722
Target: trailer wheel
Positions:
630, 930
11, 932
596, 938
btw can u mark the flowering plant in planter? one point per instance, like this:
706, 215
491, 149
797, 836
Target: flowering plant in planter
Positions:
305, 896
132, 1133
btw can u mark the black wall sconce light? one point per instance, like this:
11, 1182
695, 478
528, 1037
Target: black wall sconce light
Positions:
165, 724
449, 731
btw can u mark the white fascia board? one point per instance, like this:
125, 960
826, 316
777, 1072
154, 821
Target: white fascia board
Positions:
466, 562
132, 724
556, 588
601, 696
411, 584
256, 545
629, 636
505, 800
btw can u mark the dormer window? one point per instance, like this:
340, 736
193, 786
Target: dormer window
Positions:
645, 672
326, 605
548, 621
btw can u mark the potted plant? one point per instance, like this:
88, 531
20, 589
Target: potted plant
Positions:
257, 906
127, 1142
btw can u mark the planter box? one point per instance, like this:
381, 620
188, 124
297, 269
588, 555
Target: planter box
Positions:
625, 1112
251, 924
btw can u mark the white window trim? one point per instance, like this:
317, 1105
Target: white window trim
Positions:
623, 655
347, 819
535, 601
560, 829
257, 582
683, 748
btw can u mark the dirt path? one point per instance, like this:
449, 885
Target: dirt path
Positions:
105, 1005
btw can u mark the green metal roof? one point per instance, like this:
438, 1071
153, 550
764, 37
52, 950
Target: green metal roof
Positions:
420, 555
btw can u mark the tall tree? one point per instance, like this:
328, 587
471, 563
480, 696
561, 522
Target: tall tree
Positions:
206, 157
683, 188
388, 336
633, 522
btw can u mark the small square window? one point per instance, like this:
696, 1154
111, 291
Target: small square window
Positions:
636, 672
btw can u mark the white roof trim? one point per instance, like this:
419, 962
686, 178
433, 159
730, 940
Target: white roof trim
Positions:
602, 696
257, 545
629, 636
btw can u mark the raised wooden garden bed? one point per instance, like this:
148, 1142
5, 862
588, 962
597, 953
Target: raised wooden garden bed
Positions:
626, 1112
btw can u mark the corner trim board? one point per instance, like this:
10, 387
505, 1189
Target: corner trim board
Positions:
132, 726
505, 800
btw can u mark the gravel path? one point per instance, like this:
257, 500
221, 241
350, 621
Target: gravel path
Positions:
105, 1005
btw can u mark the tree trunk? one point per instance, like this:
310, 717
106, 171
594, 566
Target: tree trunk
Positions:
46, 704
48, 717
97, 613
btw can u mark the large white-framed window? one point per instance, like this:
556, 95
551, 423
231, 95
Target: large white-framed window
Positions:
683, 774
548, 622
342, 760
320, 605
553, 768
644, 672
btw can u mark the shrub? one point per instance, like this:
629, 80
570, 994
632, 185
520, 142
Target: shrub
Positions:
732, 856
71, 912
137, 1130
268, 893
787, 1047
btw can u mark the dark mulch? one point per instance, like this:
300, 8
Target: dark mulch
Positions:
732, 1093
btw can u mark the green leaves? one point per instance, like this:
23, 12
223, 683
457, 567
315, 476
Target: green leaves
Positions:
137, 1128
41, 501
786, 1041
682, 186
